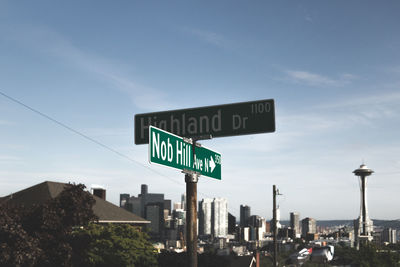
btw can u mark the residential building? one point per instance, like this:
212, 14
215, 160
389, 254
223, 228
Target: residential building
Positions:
104, 210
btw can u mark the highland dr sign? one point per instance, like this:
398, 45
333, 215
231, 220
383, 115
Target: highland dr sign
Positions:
171, 150
222, 120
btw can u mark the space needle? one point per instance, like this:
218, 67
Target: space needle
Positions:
363, 226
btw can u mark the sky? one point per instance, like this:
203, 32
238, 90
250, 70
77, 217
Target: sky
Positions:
332, 68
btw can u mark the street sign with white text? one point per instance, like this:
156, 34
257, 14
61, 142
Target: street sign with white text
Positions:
222, 120
171, 150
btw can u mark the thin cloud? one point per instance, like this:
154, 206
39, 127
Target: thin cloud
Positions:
315, 79
8, 158
309, 19
51, 43
5, 123
209, 37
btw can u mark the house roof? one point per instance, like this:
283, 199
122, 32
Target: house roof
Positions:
104, 210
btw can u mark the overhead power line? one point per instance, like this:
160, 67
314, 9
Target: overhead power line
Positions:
69, 128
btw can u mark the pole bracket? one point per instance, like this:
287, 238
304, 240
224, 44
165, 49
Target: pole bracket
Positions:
192, 177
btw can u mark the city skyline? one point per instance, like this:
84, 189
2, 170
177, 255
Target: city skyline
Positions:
331, 68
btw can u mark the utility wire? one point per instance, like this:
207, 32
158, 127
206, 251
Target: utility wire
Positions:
94, 140
86, 137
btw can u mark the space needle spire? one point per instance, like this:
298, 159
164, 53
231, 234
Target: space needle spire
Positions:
363, 226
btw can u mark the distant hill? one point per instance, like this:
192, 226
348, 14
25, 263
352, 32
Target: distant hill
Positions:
384, 223
395, 224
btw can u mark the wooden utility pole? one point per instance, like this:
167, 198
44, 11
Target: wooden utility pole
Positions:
191, 179
274, 225
191, 218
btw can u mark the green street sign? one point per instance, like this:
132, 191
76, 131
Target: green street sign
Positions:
172, 151
223, 120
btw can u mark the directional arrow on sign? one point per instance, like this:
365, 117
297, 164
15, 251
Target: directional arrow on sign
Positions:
212, 164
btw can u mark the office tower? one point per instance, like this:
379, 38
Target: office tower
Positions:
220, 217
177, 206
389, 235
123, 199
255, 224
167, 205
144, 189
245, 234
147, 198
213, 217
308, 226
134, 205
179, 214
255, 221
295, 223
231, 224
205, 217
278, 218
267, 227
363, 226
244, 215
152, 207
153, 214
183, 201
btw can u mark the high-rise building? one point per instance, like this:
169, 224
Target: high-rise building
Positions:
308, 226
213, 217
147, 198
255, 221
231, 224
295, 223
150, 206
153, 214
135, 205
278, 218
267, 226
123, 200
183, 201
167, 205
220, 217
244, 215
177, 206
205, 216
389, 235
363, 226
144, 189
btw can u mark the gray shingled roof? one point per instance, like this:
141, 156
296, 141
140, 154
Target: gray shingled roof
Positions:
40, 193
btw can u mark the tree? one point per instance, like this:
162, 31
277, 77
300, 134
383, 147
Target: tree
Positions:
17, 247
39, 235
367, 256
115, 245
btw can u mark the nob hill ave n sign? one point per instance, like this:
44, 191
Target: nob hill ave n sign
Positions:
221, 120
171, 150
